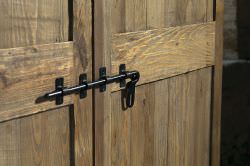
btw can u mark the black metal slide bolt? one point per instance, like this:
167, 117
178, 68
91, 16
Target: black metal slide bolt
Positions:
81, 89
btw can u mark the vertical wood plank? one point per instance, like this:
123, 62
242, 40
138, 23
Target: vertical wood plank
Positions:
30, 22
44, 139
191, 11
118, 16
189, 119
142, 127
129, 15
170, 13
102, 103
140, 15
176, 132
139, 134
156, 14
197, 11
83, 110
203, 118
121, 141
9, 148
41, 139
217, 88
161, 119
210, 10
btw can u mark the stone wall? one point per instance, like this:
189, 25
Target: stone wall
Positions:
243, 21
237, 29
235, 135
230, 30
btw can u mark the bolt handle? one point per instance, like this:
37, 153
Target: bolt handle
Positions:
130, 96
130, 89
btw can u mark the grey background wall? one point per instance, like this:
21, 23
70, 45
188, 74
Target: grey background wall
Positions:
235, 149
237, 29
243, 22
230, 30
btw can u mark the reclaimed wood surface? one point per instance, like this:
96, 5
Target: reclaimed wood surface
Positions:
102, 101
30, 22
154, 130
163, 53
83, 110
136, 15
189, 119
169, 124
217, 88
27, 73
43, 138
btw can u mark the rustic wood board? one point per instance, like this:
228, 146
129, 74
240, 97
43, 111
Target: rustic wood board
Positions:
217, 88
44, 138
83, 108
119, 16
41, 139
29, 22
27, 73
163, 53
136, 15
169, 124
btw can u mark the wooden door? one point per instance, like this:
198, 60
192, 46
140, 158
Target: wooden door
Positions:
172, 43
41, 40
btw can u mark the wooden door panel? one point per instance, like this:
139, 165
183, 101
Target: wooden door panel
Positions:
163, 53
170, 121
27, 73
43, 133
42, 139
169, 124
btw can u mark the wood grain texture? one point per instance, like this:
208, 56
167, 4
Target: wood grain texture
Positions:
191, 12
189, 119
156, 14
217, 88
102, 103
41, 139
135, 15
124, 146
27, 73
210, 10
30, 22
163, 53
169, 124
83, 110
128, 16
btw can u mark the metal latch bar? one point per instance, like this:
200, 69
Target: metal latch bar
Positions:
81, 89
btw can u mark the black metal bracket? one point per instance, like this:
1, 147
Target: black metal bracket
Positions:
104, 80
